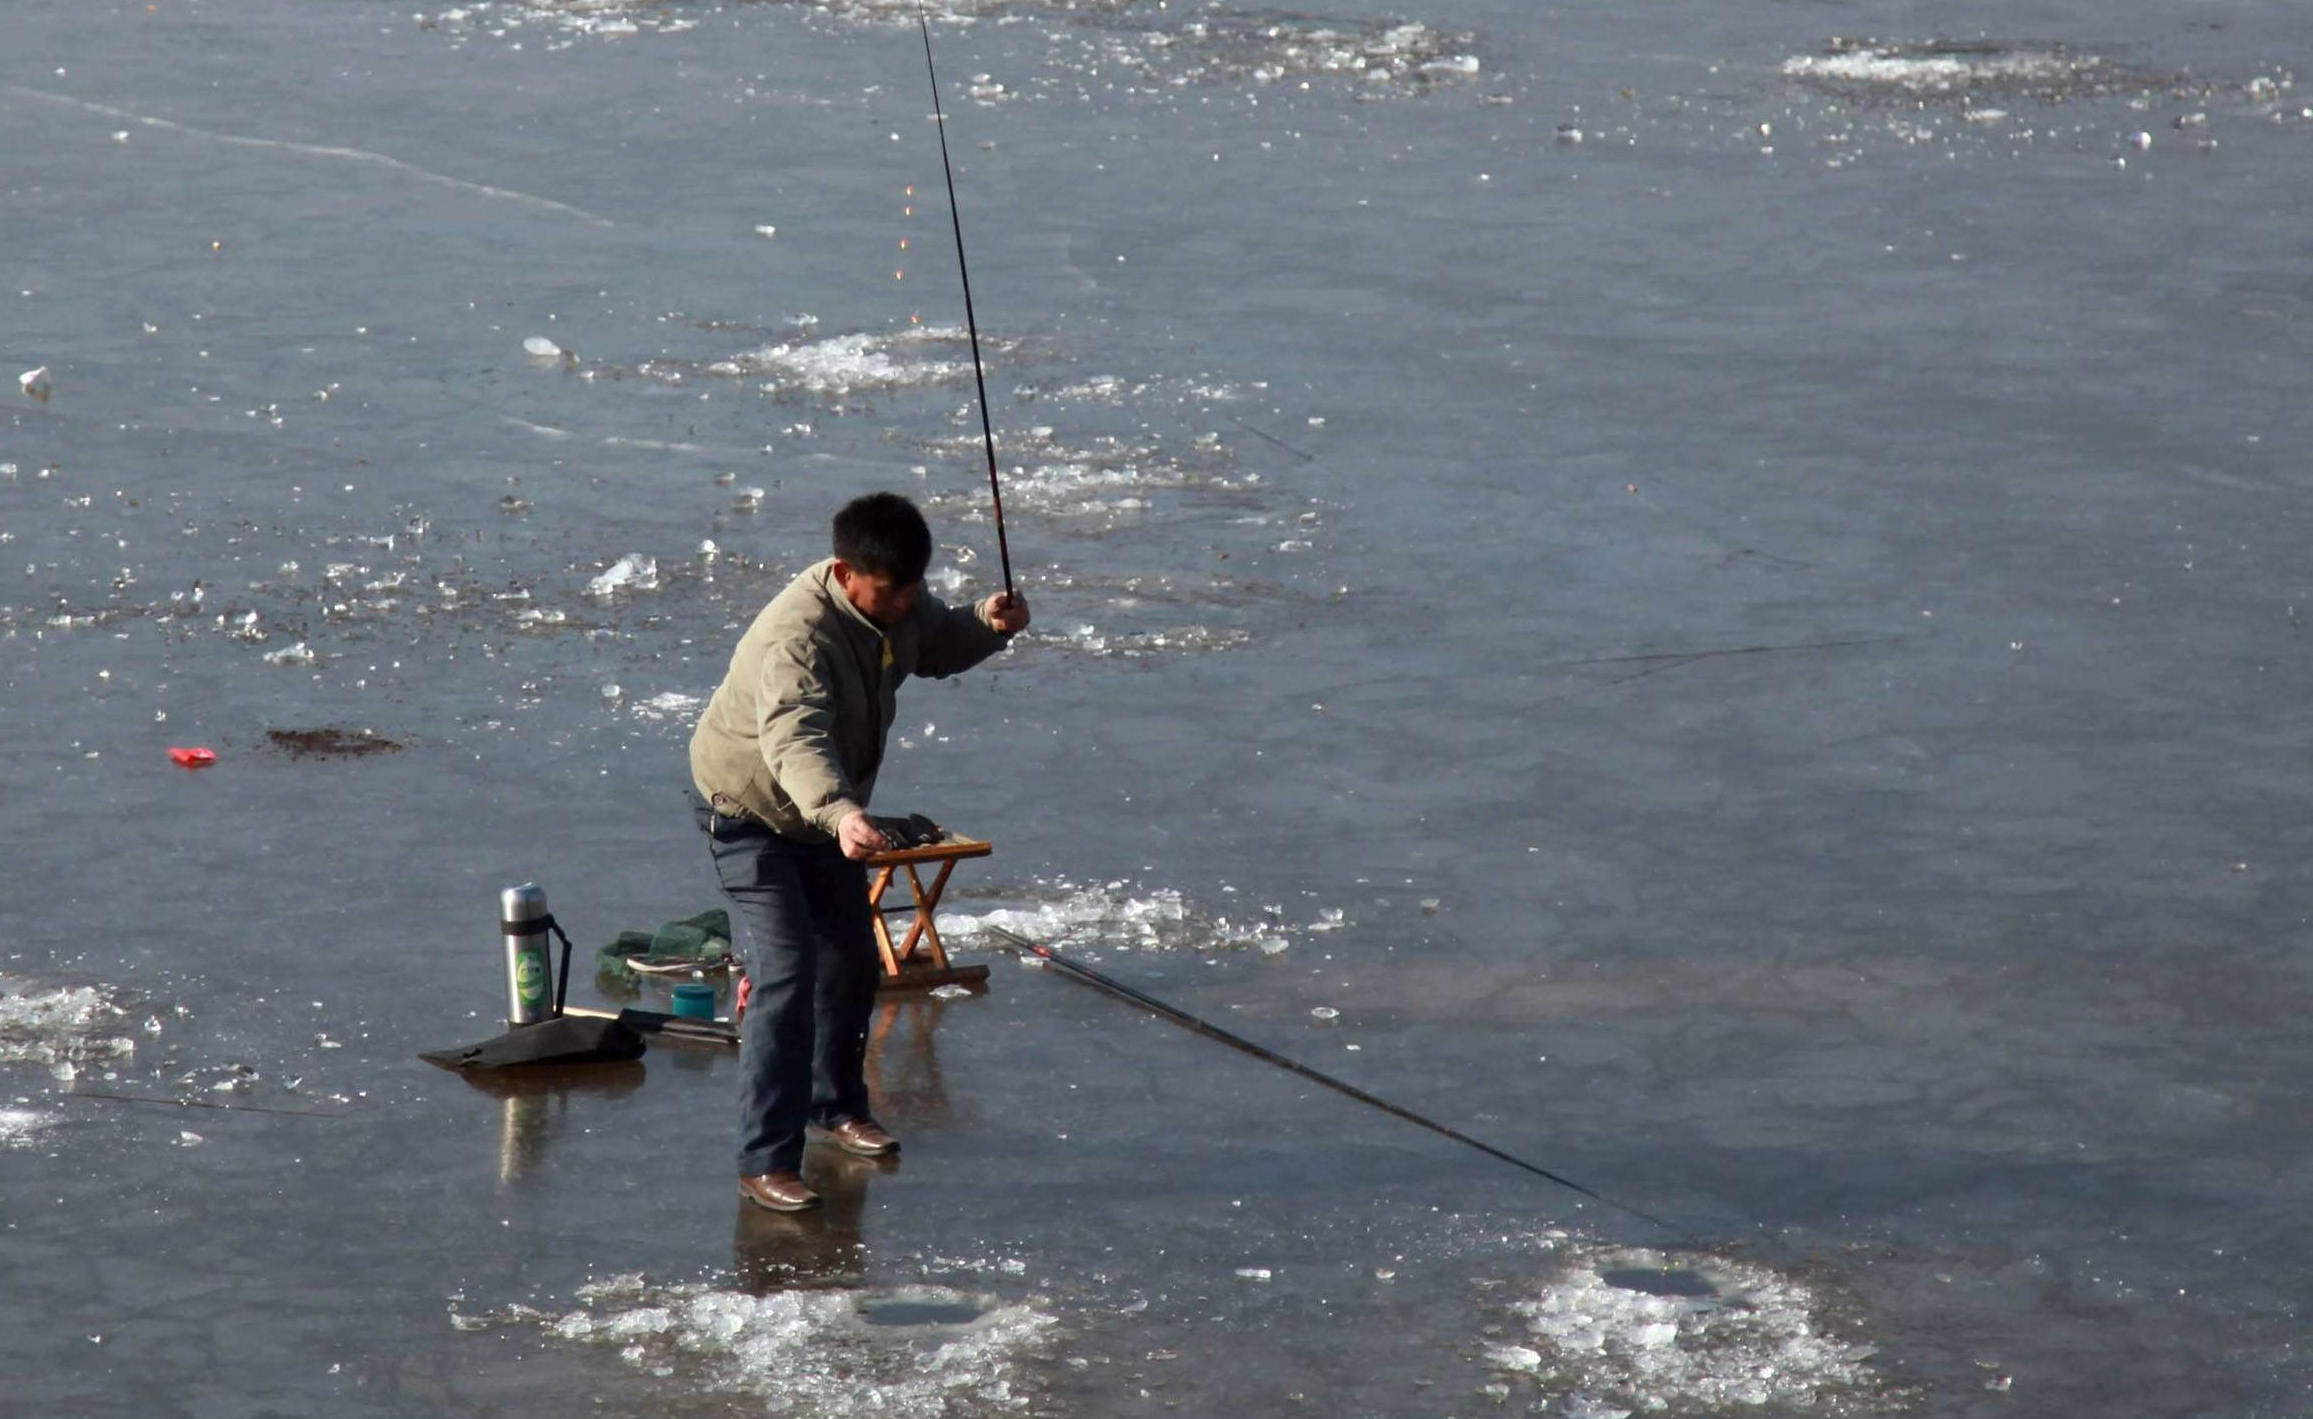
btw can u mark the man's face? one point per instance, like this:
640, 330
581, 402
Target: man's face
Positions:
878, 597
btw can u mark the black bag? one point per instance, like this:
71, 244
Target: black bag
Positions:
566, 1039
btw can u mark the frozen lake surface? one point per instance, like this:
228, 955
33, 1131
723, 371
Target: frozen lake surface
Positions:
1711, 594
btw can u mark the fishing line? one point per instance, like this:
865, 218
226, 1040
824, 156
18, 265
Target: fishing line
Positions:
971, 321
1184, 1019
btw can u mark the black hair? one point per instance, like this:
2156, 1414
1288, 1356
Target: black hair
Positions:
882, 534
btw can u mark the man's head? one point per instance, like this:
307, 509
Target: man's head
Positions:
882, 548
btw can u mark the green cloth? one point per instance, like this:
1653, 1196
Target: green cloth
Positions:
703, 940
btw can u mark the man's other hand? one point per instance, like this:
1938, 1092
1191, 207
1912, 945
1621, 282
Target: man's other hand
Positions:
859, 837
1007, 611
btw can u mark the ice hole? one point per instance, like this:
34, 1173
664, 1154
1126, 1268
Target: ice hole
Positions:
1665, 1281
892, 1311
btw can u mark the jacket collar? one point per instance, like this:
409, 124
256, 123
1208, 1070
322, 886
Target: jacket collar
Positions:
833, 592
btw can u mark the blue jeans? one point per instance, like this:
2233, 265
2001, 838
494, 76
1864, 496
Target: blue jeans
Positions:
800, 919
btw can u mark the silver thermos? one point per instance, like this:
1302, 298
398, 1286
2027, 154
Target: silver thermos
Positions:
522, 919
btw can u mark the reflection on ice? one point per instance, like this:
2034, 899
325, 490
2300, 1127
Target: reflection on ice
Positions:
18, 1126
915, 1350
1942, 69
1623, 1329
600, 19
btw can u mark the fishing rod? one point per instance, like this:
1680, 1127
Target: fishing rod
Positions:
1187, 1021
971, 321
201, 1104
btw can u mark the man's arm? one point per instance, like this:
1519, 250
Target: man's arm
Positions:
796, 728
956, 638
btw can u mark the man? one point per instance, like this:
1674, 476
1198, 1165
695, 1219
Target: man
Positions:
782, 763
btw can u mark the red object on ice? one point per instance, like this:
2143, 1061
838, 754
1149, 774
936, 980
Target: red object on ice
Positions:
192, 758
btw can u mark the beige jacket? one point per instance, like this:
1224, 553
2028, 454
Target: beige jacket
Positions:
794, 734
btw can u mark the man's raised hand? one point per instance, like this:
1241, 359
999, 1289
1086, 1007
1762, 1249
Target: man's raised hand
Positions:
1007, 611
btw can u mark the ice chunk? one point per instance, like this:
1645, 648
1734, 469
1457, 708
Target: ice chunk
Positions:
950, 992
298, 654
632, 572
905, 1351
1113, 917
1325, 1012
1943, 69
1689, 1333
668, 705
52, 1026
538, 347
844, 365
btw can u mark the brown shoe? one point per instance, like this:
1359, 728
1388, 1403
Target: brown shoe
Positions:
863, 1136
781, 1192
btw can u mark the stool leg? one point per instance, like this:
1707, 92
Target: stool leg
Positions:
927, 903
875, 890
907, 946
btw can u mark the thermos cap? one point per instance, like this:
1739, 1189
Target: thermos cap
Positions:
695, 1000
524, 903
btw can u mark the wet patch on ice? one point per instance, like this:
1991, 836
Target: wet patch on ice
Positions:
1120, 917
65, 1027
905, 1351
1623, 1330
331, 742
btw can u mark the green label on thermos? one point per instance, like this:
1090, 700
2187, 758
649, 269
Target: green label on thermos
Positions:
530, 977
